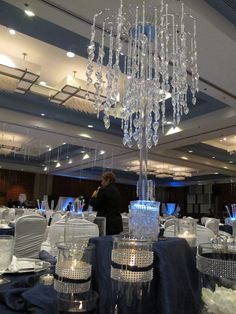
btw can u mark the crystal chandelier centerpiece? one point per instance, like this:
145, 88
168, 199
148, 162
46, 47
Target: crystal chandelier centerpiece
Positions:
149, 52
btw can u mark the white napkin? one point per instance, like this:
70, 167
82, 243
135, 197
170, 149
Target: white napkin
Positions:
24, 264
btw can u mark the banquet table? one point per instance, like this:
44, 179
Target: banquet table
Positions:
175, 288
226, 228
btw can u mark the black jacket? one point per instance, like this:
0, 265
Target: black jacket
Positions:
107, 203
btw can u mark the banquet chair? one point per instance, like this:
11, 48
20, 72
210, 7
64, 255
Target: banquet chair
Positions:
169, 222
101, 223
19, 212
70, 230
56, 217
5, 216
204, 235
125, 223
29, 233
213, 224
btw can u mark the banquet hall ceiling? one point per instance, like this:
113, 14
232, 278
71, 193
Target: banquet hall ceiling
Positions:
48, 132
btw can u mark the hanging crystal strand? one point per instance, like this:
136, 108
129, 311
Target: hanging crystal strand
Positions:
116, 66
98, 74
183, 64
109, 77
173, 81
167, 85
177, 77
91, 55
195, 74
156, 86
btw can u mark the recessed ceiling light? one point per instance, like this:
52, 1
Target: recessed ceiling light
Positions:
190, 151
29, 12
216, 172
173, 130
70, 54
221, 140
50, 148
86, 156
225, 167
45, 168
102, 152
12, 31
70, 161
58, 164
225, 139
90, 126
42, 114
85, 135
42, 83
82, 151
213, 157
231, 162
168, 122
185, 158
64, 143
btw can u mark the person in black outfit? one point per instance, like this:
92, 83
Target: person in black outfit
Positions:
106, 200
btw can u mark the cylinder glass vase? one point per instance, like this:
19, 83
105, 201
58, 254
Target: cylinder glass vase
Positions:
218, 278
73, 278
144, 219
186, 229
131, 273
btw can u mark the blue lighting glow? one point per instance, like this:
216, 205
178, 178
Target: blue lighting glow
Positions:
170, 208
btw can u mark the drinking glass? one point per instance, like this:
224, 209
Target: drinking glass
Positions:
6, 251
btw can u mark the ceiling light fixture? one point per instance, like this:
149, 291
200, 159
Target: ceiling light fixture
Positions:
184, 157
85, 135
82, 151
70, 54
190, 151
42, 114
45, 168
102, 152
58, 164
42, 83
225, 167
213, 157
70, 161
29, 12
12, 31
90, 126
86, 156
64, 143
216, 172
225, 139
231, 162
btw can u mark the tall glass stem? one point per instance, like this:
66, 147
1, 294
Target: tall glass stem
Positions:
143, 159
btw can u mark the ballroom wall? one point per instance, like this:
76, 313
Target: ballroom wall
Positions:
12, 183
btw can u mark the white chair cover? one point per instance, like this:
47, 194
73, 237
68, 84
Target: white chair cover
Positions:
29, 232
69, 230
213, 224
169, 222
19, 212
125, 222
57, 216
204, 235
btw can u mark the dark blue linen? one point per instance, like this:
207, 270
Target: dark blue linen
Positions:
47, 257
25, 295
175, 288
226, 228
10, 231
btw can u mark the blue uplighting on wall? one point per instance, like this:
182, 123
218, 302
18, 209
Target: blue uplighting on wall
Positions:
170, 208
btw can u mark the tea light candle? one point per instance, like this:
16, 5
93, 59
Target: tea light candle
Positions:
46, 280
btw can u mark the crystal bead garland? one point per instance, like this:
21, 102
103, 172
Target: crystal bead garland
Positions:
158, 50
